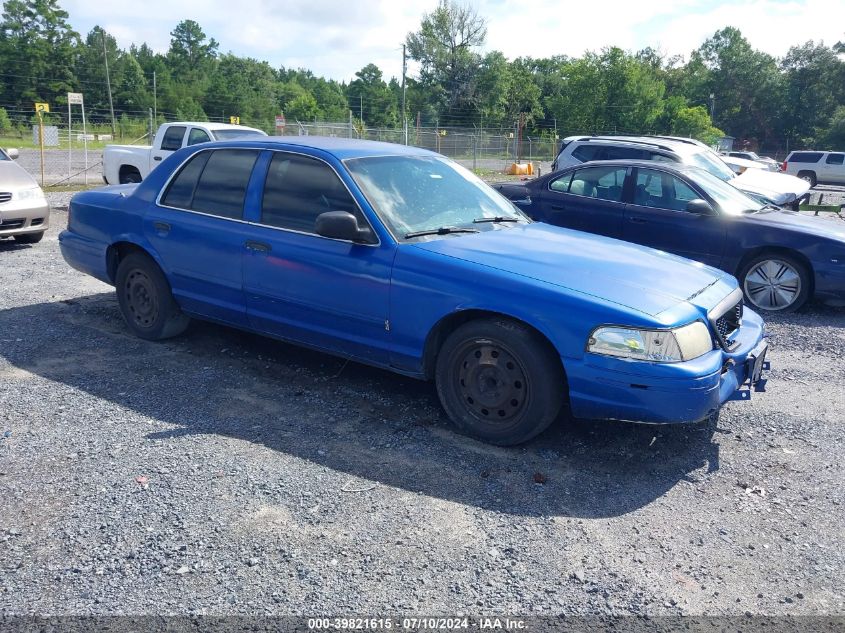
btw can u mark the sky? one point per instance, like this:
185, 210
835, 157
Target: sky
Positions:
335, 39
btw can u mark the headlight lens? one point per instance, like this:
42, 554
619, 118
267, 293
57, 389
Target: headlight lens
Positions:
657, 346
31, 194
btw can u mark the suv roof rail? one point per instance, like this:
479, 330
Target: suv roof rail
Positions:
639, 140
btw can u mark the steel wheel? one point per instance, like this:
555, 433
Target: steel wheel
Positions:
493, 383
141, 298
773, 284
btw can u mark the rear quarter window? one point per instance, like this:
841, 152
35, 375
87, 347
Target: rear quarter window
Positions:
586, 152
835, 159
804, 157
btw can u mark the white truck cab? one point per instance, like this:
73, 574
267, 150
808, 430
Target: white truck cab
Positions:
124, 164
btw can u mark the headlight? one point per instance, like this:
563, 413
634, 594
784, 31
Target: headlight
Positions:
30, 194
657, 346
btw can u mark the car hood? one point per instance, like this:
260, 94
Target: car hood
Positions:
13, 177
794, 221
629, 275
763, 181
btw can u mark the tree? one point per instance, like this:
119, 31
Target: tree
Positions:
377, 103
448, 65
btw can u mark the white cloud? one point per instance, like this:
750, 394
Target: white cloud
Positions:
335, 39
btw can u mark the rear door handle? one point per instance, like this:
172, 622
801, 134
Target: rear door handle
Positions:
557, 207
258, 247
637, 220
163, 228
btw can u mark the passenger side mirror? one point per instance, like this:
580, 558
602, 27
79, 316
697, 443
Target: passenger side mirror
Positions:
13, 153
700, 207
342, 225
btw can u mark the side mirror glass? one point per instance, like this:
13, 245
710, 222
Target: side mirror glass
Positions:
342, 225
13, 153
701, 207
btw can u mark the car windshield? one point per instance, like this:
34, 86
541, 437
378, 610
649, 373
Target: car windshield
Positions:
414, 194
730, 199
711, 162
228, 135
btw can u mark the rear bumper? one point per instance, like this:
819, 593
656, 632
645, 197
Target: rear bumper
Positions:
607, 388
84, 255
24, 217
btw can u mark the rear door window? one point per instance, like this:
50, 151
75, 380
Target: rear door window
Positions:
173, 138
604, 183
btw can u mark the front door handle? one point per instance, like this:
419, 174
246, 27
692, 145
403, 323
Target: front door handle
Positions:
258, 247
637, 220
162, 228
156, 157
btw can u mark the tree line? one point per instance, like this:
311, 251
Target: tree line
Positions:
725, 86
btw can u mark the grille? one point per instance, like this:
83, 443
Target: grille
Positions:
5, 196
728, 323
16, 223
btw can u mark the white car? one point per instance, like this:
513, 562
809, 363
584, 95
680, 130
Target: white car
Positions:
24, 211
769, 163
769, 187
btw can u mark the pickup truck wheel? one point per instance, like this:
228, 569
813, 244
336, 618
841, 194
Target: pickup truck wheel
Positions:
129, 176
499, 382
809, 176
30, 238
145, 299
775, 282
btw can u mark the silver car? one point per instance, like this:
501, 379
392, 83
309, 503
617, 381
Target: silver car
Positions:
24, 212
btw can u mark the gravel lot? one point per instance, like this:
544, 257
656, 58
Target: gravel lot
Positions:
225, 473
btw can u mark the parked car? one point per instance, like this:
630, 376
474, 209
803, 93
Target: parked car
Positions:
827, 168
397, 257
781, 258
769, 163
24, 211
739, 165
124, 164
778, 189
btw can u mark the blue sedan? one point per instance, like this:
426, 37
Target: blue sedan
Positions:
782, 258
402, 259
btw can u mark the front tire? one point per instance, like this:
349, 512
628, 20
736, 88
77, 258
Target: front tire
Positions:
145, 299
499, 381
775, 282
29, 238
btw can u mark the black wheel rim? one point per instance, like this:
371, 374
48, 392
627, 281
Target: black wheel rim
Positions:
141, 298
491, 383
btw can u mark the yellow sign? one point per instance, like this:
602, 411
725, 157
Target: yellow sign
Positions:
42, 107
235, 120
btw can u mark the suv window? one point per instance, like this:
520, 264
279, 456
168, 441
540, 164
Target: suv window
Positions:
173, 138
298, 189
804, 157
586, 152
835, 159
662, 191
604, 183
197, 136
214, 183
623, 153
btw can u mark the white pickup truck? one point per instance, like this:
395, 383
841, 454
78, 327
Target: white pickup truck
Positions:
123, 164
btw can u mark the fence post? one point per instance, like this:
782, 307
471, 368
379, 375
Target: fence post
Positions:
475, 152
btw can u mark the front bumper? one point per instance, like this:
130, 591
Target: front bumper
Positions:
606, 388
21, 217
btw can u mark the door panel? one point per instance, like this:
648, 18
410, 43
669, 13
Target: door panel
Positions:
657, 218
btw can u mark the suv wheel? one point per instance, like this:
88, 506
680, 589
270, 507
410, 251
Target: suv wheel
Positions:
809, 176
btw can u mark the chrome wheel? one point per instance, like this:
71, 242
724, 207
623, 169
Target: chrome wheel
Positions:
141, 298
772, 284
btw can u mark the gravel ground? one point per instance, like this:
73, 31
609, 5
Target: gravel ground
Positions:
224, 473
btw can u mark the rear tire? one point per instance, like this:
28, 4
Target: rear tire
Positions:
145, 299
775, 282
129, 176
499, 381
809, 176
29, 238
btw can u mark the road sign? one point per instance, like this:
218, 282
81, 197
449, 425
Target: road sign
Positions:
235, 120
74, 98
42, 107
280, 121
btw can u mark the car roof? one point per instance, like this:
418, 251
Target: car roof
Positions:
339, 147
675, 144
214, 126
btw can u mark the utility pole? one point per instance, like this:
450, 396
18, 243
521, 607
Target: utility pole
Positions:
108, 84
712, 105
155, 98
404, 117
361, 109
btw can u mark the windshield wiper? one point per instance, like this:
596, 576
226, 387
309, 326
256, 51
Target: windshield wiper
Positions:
498, 218
443, 230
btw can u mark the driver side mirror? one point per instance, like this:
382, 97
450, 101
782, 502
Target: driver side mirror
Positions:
13, 153
342, 225
700, 207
